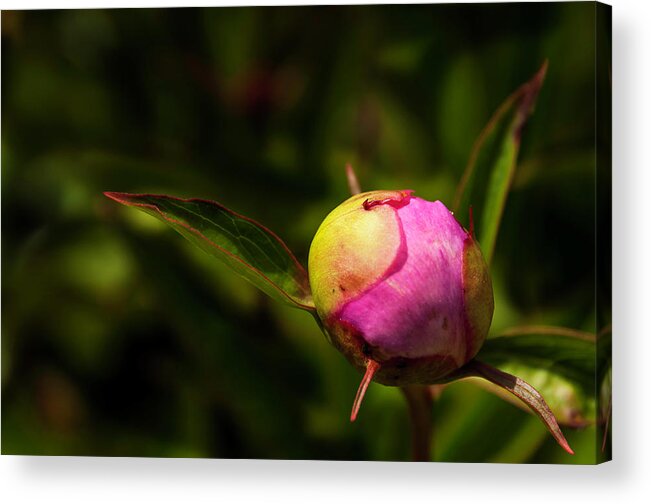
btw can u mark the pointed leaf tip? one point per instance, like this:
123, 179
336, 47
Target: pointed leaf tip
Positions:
115, 196
523, 391
493, 160
372, 367
247, 247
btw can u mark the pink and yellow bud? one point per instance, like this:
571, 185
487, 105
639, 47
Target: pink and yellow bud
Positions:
400, 286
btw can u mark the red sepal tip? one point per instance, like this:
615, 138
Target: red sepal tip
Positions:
372, 367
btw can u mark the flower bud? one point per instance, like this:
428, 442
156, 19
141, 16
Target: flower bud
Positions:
400, 287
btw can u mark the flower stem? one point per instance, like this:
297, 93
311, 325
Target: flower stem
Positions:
419, 400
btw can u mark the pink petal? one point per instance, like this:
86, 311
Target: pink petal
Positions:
417, 308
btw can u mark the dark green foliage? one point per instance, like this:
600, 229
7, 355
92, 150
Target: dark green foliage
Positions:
119, 338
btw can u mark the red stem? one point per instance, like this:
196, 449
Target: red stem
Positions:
419, 399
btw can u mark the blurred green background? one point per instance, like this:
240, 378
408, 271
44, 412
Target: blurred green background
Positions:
121, 339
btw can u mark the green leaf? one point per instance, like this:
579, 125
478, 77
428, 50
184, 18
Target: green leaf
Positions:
570, 403
250, 249
560, 362
524, 392
488, 175
567, 353
514, 437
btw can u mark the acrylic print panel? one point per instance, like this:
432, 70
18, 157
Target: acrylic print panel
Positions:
340, 233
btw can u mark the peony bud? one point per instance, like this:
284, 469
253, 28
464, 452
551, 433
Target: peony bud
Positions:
401, 289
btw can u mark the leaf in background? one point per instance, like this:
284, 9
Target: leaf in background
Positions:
488, 175
559, 362
571, 405
565, 352
514, 436
523, 391
251, 250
